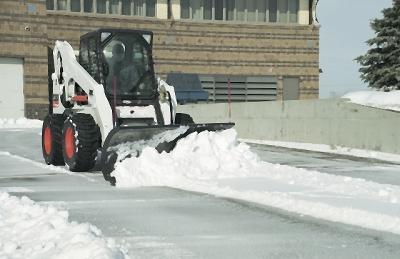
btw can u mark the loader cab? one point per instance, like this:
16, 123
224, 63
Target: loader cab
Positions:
121, 60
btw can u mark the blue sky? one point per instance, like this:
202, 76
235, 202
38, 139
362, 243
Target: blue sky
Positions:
345, 26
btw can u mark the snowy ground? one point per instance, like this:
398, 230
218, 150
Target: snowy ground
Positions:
382, 100
216, 163
352, 152
159, 222
369, 169
20, 123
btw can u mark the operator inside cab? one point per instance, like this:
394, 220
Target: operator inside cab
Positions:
123, 75
128, 64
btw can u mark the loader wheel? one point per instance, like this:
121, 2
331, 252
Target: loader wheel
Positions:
80, 142
183, 119
51, 139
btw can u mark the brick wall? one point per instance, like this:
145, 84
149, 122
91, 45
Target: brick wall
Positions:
23, 34
179, 46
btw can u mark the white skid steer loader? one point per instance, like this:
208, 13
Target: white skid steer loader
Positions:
108, 98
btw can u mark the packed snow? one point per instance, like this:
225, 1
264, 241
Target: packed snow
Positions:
20, 123
30, 230
377, 99
347, 151
217, 163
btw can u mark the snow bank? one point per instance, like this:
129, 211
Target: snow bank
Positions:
218, 164
28, 230
382, 100
20, 123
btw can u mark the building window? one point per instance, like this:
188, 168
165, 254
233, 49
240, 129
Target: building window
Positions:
262, 10
241, 10
113, 6
62, 5
282, 11
75, 5
50, 4
116, 7
139, 7
126, 7
196, 9
273, 10
101, 6
251, 11
185, 9
207, 9
293, 11
88, 6
219, 9
230, 10
150, 8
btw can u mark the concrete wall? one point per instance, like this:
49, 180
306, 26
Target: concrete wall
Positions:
332, 122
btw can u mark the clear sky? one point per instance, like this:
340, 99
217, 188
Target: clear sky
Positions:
345, 26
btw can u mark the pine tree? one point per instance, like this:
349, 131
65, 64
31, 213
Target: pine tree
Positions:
381, 64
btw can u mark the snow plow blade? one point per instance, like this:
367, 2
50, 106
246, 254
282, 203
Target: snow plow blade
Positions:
128, 141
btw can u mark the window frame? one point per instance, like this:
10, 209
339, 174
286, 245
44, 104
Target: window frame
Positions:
267, 15
148, 8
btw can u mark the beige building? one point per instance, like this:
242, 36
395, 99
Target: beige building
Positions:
267, 49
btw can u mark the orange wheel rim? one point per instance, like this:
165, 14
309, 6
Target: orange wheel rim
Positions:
69, 140
47, 140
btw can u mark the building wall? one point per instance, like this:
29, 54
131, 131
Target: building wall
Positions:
23, 34
202, 47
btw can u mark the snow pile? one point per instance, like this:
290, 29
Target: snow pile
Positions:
216, 163
28, 230
20, 123
203, 156
382, 100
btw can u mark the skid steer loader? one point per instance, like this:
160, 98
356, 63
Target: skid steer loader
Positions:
110, 100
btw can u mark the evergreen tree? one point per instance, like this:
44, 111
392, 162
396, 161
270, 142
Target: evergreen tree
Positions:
381, 64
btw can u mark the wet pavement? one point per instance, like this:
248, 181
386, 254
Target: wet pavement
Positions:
157, 222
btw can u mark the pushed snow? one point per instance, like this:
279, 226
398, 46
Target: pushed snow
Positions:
207, 155
29, 230
20, 123
217, 163
382, 100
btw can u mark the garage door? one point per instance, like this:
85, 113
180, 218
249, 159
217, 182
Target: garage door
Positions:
12, 84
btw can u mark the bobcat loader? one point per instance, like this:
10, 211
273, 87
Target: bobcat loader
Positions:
109, 100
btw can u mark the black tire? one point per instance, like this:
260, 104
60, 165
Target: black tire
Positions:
51, 139
183, 119
80, 142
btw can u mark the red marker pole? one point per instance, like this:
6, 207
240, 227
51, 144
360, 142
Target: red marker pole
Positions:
115, 101
229, 99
